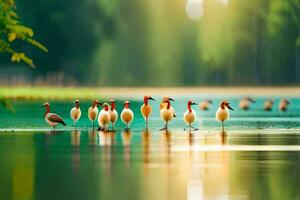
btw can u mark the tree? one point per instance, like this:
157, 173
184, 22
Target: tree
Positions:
12, 29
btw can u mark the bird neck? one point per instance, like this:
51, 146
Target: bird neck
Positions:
47, 110
145, 100
127, 106
77, 106
222, 106
189, 107
94, 105
168, 104
113, 106
106, 108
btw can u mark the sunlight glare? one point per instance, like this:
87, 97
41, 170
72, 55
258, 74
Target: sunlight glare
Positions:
194, 9
225, 2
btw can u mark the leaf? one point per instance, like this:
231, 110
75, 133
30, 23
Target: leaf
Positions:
11, 36
36, 43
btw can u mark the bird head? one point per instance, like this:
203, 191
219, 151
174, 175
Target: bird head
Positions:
46, 104
126, 104
250, 99
76, 102
191, 102
167, 99
286, 101
225, 104
105, 106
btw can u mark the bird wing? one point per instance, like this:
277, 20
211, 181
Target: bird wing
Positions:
56, 118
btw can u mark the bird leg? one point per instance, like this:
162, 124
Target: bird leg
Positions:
222, 126
165, 127
146, 124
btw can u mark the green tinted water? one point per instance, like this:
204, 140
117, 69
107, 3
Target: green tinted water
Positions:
257, 158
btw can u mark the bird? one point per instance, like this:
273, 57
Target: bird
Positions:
167, 112
113, 113
75, 112
268, 105
127, 115
163, 104
190, 115
204, 105
93, 112
245, 103
283, 104
104, 118
222, 113
146, 109
51, 118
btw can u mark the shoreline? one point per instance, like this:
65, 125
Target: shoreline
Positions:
24, 92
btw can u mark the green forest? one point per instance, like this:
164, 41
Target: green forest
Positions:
155, 43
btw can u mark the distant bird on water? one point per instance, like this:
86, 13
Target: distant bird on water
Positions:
222, 113
75, 112
268, 105
204, 105
190, 115
51, 118
104, 118
245, 103
167, 112
283, 104
146, 109
93, 112
113, 113
127, 115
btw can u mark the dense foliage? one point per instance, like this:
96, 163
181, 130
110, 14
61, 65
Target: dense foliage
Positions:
146, 42
12, 29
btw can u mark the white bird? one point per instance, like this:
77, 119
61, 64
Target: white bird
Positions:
283, 105
146, 109
245, 103
93, 112
167, 112
268, 105
204, 105
222, 113
190, 115
104, 117
127, 115
113, 113
75, 112
51, 118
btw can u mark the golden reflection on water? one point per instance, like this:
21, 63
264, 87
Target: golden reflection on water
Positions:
186, 174
23, 172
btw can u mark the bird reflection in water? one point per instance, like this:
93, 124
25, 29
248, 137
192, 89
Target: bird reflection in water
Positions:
191, 138
75, 142
126, 141
105, 143
223, 136
92, 137
146, 145
166, 144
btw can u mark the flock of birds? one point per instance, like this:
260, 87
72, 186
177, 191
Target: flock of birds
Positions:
109, 115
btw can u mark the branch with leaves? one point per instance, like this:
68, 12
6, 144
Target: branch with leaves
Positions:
12, 29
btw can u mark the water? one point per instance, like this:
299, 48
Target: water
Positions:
257, 157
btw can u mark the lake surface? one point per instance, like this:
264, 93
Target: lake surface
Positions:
257, 157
